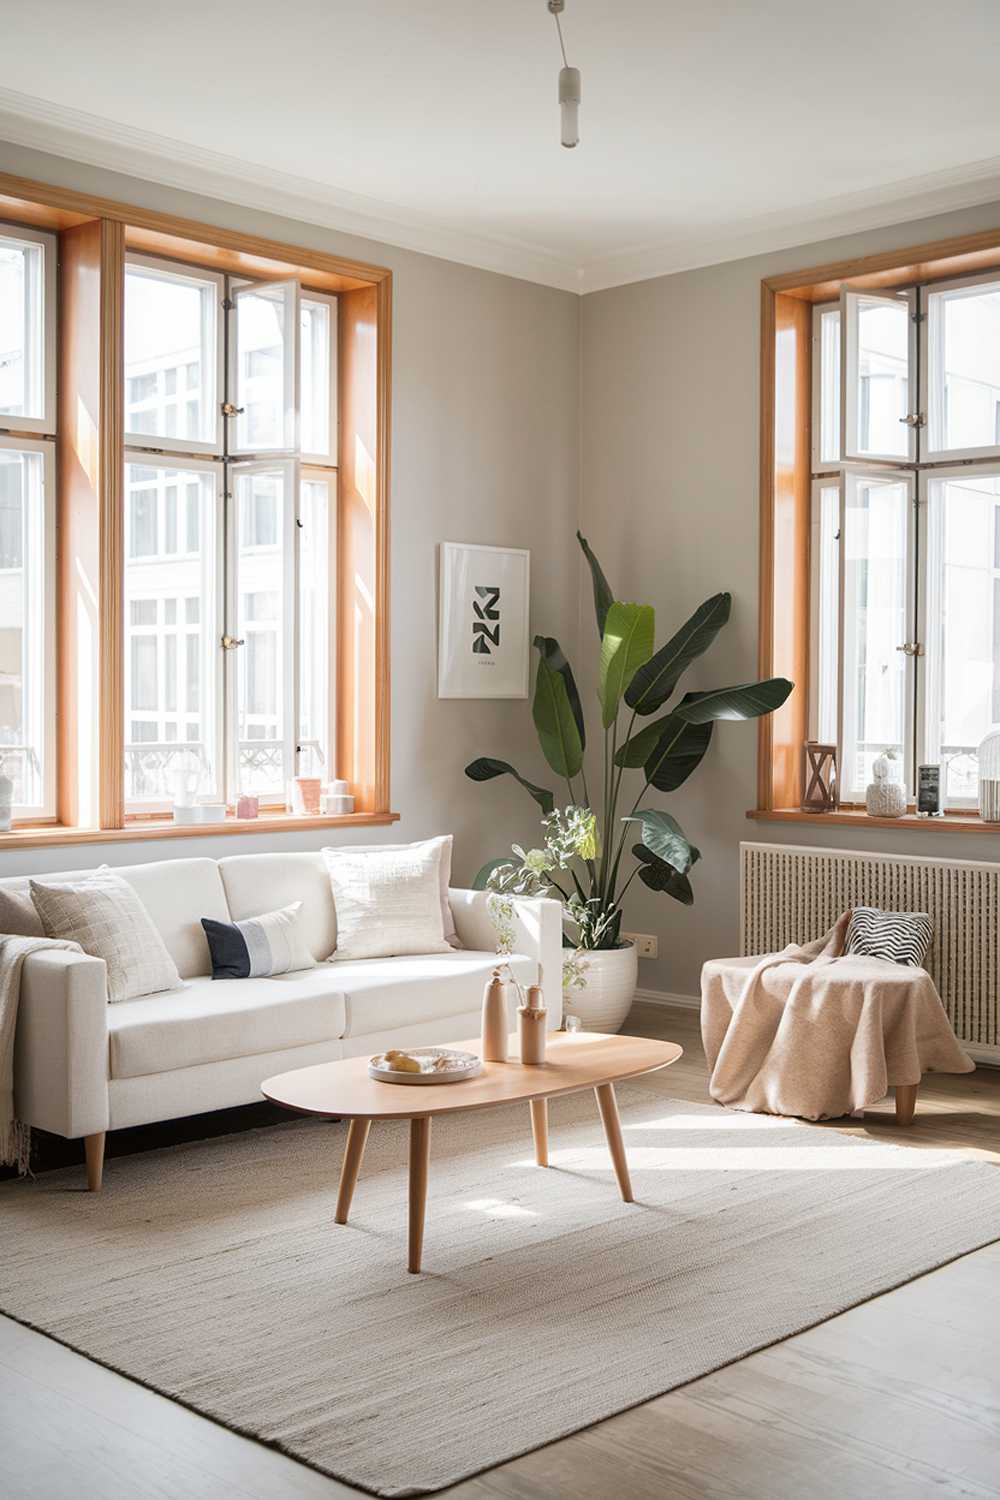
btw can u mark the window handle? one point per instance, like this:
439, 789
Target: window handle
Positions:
911, 648
230, 643
914, 419
230, 409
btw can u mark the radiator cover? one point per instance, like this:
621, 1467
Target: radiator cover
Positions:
793, 893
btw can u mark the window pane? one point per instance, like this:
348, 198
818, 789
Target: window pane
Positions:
263, 758
22, 624
264, 341
963, 351
171, 642
171, 332
963, 624
875, 624
878, 348
826, 610
829, 379
314, 360
22, 344
315, 571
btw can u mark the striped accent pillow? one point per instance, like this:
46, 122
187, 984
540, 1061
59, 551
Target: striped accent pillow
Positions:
903, 937
271, 944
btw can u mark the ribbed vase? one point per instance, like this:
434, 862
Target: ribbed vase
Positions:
609, 989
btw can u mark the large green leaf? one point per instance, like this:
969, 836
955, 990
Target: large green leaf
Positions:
678, 752
603, 596
485, 769
749, 700
662, 877
555, 722
552, 652
653, 683
663, 836
627, 643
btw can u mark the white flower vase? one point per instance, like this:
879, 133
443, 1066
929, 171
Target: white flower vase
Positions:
605, 997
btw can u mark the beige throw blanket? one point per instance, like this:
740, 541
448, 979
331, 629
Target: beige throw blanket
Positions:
15, 1138
818, 1033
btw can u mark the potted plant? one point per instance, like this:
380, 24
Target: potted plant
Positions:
583, 858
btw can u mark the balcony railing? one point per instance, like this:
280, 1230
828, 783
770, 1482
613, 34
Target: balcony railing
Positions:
150, 765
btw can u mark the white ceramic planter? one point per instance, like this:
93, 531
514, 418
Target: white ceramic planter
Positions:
606, 999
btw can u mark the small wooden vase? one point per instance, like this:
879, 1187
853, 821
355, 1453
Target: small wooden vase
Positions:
495, 1019
531, 1028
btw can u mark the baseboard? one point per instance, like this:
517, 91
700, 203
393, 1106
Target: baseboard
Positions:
664, 997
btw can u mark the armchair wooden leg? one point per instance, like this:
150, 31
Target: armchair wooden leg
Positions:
906, 1102
93, 1145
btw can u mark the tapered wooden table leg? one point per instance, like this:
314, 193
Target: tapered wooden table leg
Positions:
608, 1106
357, 1138
906, 1102
420, 1150
540, 1130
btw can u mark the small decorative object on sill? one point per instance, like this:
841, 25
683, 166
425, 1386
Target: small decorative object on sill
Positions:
338, 788
822, 794
885, 797
305, 796
248, 807
531, 1028
572, 1023
989, 777
6, 799
333, 805
928, 791
495, 1018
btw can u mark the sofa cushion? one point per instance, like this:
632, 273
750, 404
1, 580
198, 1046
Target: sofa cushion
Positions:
259, 883
177, 893
103, 913
209, 1022
380, 993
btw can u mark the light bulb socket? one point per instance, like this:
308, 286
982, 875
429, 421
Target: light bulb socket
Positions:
569, 86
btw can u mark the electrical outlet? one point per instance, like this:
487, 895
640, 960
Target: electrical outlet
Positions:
645, 944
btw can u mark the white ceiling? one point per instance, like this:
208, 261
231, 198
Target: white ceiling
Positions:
710, 128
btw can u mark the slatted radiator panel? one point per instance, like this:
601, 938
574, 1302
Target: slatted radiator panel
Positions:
792, 894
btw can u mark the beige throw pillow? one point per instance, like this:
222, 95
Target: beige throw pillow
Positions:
100, 911
446, 840
388, 901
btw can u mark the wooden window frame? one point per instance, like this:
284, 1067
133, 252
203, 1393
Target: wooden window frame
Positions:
94, 236
786, 475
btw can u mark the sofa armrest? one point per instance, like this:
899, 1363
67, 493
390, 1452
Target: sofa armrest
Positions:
61, 1043
537, 934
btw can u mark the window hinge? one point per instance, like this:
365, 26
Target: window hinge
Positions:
230, 643
911, 648
230, 409
914, 419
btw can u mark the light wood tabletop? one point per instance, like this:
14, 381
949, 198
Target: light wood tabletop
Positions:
574, 1061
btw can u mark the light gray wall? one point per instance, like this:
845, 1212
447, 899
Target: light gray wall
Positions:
670, 504
485, 446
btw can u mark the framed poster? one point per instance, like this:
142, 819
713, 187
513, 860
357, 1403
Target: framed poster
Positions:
483, 622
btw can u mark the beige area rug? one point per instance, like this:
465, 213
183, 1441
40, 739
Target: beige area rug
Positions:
214, 1272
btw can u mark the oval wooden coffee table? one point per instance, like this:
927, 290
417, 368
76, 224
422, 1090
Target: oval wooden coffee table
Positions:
574, 1061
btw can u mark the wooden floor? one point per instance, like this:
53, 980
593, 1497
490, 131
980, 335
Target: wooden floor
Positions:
897, 1399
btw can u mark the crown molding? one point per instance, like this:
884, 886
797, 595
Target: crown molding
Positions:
968, 186
98, 142
95, 141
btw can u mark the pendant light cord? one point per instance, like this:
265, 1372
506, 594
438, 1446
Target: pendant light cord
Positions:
562, 44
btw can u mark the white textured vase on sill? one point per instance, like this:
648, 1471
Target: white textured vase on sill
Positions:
606, 995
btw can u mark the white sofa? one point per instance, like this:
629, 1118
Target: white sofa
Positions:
83, 1067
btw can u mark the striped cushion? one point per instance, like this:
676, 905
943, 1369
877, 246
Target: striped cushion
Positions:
271, 944
901, 936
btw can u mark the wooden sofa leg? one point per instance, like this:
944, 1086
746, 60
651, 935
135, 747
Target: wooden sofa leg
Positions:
93, 1145
906, 1102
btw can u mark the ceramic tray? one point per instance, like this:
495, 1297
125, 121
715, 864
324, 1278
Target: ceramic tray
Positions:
460, 1065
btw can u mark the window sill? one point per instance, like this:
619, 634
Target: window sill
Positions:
46, 835
856, 817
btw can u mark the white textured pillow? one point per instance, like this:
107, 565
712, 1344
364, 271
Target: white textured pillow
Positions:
100, 911
388, 901
446, 841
